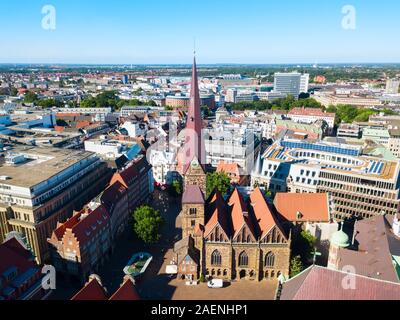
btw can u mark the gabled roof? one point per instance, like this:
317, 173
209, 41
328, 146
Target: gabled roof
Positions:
84, 224
239, 214
265, 218
114, 193
313, 207
319, 283
92, 291
232, 168
127, 292
193, 195
219, 214
14, 255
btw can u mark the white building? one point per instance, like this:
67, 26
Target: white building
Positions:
392, 86
288, 83
164, 166
135, 129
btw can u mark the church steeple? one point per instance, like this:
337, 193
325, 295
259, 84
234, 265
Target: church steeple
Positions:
194, 144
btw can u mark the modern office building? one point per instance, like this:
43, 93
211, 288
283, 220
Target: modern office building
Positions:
231, 145
392, 86
359, 185
40, 187
291, 83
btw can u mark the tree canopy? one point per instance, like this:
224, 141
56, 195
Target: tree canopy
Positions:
304, 246
219, 181
296, 266
111, 99
147, 224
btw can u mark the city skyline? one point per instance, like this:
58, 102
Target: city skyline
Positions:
237, 32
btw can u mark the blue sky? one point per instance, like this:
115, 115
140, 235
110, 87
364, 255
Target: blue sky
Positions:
226, 31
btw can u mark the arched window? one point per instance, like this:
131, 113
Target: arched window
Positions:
269, 260
248, 239
243, 259
216, 259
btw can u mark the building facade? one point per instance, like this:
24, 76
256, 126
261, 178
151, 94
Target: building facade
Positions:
59, 182
360, 186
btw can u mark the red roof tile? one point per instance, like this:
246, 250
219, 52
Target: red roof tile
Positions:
127, 292
92, 291
265, 218
319, 283
313, 207
193, 195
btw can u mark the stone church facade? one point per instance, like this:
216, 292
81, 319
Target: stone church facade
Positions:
234, 238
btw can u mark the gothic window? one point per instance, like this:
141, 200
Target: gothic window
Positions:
216, 259
216, 234
193, 211
269, 260
243, 259
248, 239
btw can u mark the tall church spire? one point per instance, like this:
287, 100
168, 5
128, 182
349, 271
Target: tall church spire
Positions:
194, 145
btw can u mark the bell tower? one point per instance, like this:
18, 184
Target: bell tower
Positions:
194, 147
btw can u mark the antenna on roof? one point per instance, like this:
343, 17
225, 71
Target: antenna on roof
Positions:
194, 46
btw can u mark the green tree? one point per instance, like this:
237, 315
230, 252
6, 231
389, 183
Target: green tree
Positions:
147, 224
175, 189
30, 97
219, 181
13, 91
304, 246
296, 266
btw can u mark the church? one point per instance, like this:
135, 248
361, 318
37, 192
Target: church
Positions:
233, 238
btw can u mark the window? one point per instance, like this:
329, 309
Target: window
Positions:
269, 260
193, 223
243, 259
193, 211
216, 259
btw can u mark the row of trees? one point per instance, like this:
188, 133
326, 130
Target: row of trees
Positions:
287, 104
111, 99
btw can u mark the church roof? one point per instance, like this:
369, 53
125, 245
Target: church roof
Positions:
193, 195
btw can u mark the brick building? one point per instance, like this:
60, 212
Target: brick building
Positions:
82, 244
20, 275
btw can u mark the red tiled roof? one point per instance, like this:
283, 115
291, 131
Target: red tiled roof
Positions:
314, 207
319, 283
311, 112
232, 168
219, 214
264, 216
240, 214
92, 291
193, 195
84, 229
12, 253
114, 193
127, 292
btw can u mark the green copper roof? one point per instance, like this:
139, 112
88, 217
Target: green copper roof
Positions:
340, 239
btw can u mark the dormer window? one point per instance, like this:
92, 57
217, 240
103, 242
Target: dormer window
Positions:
299, 215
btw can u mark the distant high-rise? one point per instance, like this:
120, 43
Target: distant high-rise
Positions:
292, 83
392, 86
304, 82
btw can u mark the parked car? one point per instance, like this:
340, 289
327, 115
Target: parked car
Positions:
216, 283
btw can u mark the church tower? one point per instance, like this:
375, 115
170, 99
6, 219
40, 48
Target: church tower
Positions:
194, 147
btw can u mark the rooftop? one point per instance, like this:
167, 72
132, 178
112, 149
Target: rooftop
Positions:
41, 164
